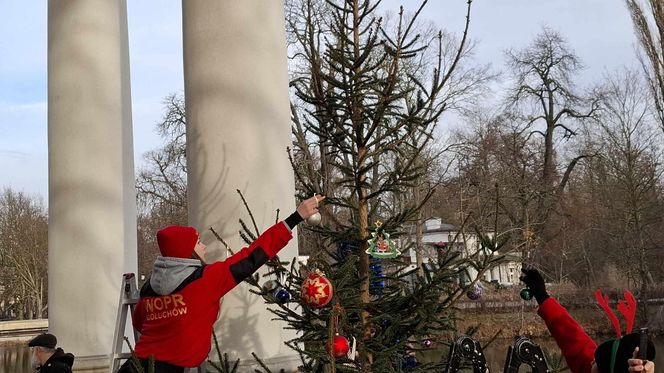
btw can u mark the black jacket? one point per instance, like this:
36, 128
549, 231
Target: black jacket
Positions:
59, 362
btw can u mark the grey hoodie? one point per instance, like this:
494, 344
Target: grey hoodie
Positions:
168, 273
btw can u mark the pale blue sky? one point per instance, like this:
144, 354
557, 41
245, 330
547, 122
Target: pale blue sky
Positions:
599, 30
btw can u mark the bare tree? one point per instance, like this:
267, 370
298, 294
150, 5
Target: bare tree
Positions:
24, 254
162, 183
163, 180
649, 28
545, 103
497, 168
631, 158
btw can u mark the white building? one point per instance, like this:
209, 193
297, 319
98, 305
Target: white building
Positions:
441, 236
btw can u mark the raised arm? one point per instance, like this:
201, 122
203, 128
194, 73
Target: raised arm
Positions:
230, 272
575, 344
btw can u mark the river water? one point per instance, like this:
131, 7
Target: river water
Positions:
16, 359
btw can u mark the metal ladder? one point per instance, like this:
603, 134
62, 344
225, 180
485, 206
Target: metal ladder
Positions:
128, 299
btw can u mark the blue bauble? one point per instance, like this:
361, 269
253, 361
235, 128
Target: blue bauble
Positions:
377, 284
346, 248
376, 287
282, 295
376, 269
409, 362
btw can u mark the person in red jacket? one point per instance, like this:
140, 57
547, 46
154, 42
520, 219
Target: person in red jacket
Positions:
180, 303
580, 351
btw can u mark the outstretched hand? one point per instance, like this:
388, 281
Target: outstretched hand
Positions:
309, 206
535, 282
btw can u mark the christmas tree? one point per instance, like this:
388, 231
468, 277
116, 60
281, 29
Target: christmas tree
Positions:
368, 95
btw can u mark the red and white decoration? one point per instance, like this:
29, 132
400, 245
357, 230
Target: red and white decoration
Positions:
340, 346
316, 290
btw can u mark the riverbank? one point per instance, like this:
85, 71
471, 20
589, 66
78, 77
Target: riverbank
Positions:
526, 322
503, 311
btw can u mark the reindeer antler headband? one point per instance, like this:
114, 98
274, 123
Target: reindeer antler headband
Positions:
626, 307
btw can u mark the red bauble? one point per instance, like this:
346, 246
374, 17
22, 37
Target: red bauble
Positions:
316, 290
340, 346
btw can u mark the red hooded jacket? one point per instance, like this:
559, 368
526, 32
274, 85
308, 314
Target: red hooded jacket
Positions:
176, 328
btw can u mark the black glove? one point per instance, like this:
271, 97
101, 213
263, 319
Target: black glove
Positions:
534, 281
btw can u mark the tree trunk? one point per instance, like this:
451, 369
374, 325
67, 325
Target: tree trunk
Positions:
419, 231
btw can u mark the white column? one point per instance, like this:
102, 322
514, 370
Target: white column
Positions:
92, 208
238, 128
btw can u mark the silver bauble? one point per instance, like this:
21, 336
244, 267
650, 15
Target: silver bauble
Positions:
270, 285
314, 219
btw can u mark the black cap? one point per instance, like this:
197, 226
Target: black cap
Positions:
625, 349
44, 340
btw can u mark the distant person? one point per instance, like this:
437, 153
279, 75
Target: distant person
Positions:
179, 304
46, 358
580, 351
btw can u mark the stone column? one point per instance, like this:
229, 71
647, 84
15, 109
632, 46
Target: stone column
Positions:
238, 128
92, 208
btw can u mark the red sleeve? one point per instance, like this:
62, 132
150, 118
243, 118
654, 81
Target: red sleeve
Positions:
271, 241
575, 344
138, 316
225, 275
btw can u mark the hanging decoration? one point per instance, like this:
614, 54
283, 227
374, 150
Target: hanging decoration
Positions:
316, 290
377, 285
316, 218
338, 346
475, 292
409, 362
380, 245
282, 295
276, 289
346, 248
270, 285
526, 294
